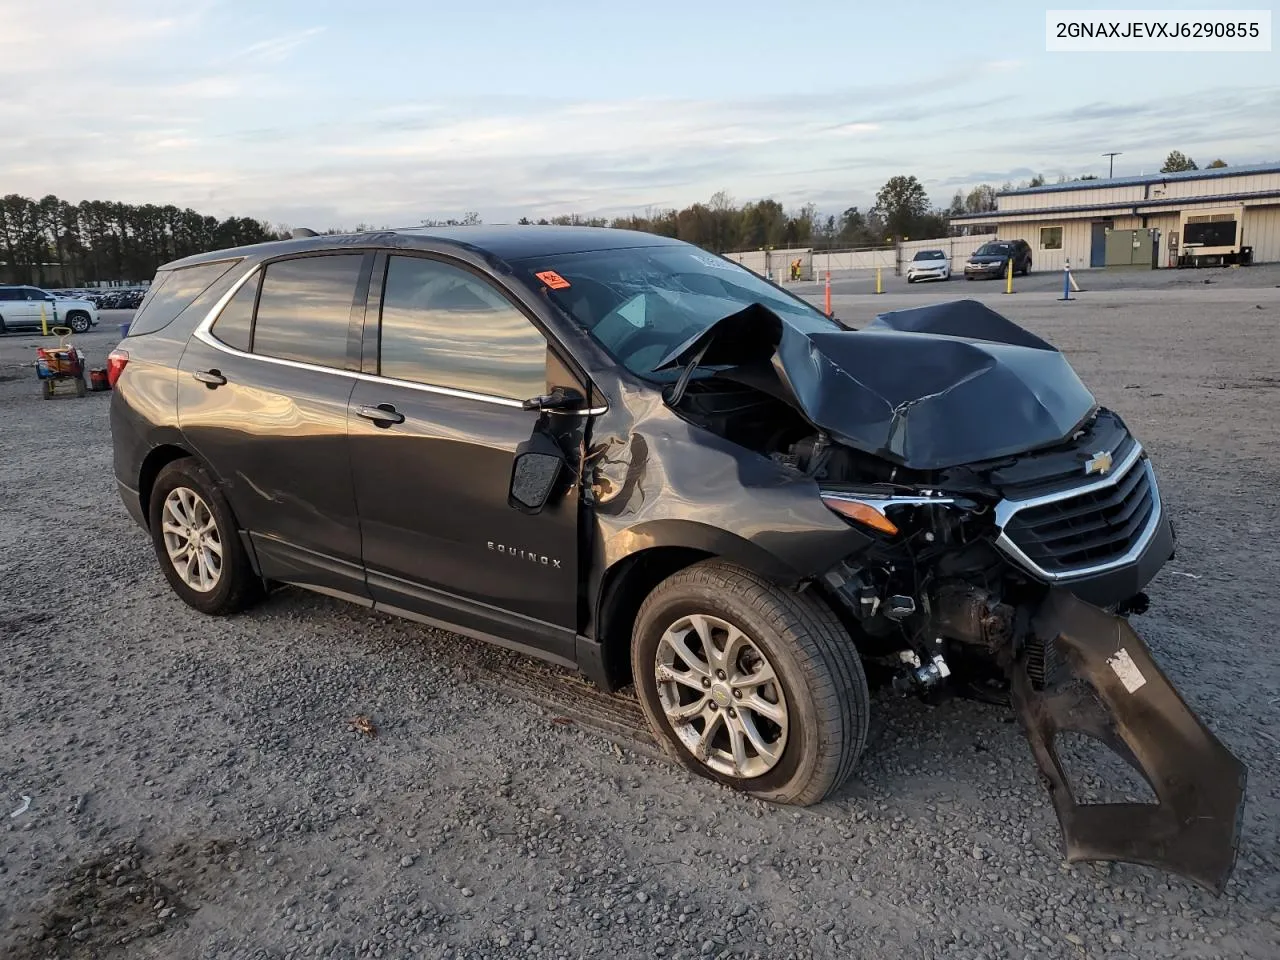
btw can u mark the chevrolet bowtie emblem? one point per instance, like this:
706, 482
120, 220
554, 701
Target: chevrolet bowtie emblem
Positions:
1098, 463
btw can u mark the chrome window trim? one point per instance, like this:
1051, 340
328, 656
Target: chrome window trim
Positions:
1007, 509
203, 333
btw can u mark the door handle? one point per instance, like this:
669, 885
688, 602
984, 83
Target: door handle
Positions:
384, 414
212, 378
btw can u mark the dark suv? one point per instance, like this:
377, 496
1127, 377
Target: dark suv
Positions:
631, 457
992, 259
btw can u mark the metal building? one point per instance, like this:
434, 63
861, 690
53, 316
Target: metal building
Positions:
1222, 215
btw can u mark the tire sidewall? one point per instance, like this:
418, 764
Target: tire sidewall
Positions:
188, 473
799, 755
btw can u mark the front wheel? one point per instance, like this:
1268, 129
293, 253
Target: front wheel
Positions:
750, 685
79, 322
197, 541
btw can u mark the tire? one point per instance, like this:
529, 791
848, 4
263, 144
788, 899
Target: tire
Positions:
46, 389
81, 387
79, 322
3, 331
820, 685
235, 586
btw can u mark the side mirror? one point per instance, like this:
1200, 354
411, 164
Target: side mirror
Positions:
560, 398
538, 464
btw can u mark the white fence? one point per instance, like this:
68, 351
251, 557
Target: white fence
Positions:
777, 264
815, 264
840, 262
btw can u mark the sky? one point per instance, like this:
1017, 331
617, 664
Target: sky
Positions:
327, 114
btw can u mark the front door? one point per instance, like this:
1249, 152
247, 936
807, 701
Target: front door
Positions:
434, 426
262, 397
1098, 243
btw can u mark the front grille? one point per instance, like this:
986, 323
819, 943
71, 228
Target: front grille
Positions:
1077, 532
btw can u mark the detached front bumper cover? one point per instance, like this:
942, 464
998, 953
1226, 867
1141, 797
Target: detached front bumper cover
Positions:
1111, 689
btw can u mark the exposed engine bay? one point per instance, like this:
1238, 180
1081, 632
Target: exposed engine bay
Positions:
1011, 525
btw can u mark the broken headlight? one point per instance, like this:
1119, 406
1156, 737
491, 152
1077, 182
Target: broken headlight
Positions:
892, 514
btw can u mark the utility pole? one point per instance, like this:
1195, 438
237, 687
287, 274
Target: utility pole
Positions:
1112, 170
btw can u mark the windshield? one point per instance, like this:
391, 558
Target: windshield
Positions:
930, 255
990, 249
639, 303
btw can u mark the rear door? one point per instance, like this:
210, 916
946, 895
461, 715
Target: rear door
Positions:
449, 357
262, 397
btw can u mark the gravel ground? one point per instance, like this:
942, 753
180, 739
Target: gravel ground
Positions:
197, 788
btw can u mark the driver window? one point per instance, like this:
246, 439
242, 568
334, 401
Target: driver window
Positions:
446, 327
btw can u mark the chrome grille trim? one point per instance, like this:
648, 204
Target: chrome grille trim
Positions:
1007, 509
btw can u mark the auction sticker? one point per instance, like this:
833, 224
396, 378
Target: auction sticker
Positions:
552, 279
1123, 666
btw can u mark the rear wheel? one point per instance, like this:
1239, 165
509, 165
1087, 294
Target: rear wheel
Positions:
197, 541
755, 687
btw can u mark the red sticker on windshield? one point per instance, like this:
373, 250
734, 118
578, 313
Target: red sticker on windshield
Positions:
552, 279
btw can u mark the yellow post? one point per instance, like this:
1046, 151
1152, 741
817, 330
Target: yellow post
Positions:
879, 288
44, 323
1008, 283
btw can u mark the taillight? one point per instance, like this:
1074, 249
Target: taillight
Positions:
117, 360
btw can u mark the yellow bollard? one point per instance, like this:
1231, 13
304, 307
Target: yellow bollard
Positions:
1008, 282
44, 323
879, 288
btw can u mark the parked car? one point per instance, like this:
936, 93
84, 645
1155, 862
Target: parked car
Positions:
20, 309
628, 456
929, 265
992, 259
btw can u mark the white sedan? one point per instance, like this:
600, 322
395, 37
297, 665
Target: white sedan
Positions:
929, 265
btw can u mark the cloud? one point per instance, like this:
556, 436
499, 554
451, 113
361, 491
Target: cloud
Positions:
162, 108
276, 49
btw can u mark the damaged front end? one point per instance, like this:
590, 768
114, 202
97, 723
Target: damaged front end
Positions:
1065, 666
1012, 525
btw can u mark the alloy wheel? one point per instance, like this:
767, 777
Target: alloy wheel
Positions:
721, 696
192, 539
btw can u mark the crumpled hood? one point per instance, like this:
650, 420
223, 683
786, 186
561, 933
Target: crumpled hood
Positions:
930, 387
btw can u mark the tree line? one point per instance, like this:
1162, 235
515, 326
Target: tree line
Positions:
55, 243
51, 241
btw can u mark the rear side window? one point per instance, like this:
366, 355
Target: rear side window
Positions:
9, 293
304, 309
171, 292
444, 326
234, 325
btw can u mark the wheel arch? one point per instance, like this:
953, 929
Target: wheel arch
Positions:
644, 556
156, 460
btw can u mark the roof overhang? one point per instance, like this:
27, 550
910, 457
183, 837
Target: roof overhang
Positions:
1131, 207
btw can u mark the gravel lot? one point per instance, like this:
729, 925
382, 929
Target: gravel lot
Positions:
197, 790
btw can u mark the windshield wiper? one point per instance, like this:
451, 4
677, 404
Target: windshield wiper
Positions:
682, 384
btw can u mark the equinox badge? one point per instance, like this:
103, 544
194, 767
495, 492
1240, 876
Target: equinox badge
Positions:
1098, 463
529, 555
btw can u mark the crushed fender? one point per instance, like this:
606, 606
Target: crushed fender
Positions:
1110, 688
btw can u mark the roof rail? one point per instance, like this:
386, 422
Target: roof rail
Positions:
299, 232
